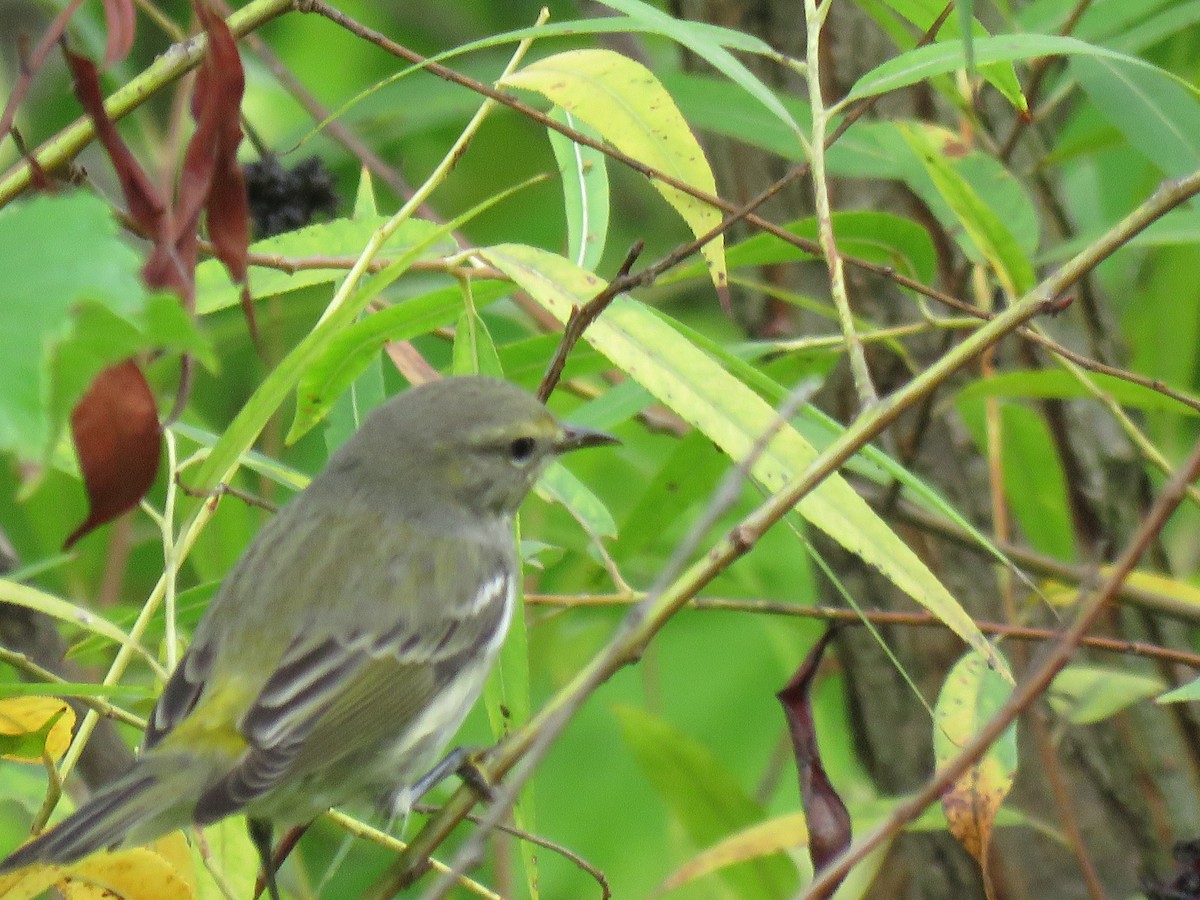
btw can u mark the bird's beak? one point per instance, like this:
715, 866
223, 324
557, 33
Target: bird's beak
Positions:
576, 438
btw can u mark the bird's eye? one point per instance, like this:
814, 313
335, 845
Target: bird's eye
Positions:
521, 450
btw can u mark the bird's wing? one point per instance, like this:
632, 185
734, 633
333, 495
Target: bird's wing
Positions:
331, 697
180, 693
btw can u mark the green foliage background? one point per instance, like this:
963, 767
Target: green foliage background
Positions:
688, 746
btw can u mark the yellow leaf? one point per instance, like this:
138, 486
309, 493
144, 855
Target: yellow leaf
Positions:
140, 873
28, 715
629, 107
763, 839
164, 869
30, 882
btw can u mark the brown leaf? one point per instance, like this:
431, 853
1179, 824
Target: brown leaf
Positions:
121, 22
212, 179
146, 207
118, 441
828, 819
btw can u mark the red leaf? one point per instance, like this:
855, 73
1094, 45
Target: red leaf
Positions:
118, 441
828, 819
212, 178
145, 206
121, 22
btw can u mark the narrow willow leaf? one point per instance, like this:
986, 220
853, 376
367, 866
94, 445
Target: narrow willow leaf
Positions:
1087, 694
696, 388
337, 238
991, 237
941, 58
700, 38
761, 839
627, 104
585, 192
1154, 113
705, 797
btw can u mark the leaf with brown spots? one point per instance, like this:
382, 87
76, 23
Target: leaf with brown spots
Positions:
970, 696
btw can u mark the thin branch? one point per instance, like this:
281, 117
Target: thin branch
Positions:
529, 837
876, 617
168, 67
581, 317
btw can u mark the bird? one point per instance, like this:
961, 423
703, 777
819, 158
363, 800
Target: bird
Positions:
347, 644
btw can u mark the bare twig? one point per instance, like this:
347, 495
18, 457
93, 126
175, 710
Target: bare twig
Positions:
581, 317
876, 617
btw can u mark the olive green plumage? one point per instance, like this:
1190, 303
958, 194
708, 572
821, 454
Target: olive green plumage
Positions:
353, 635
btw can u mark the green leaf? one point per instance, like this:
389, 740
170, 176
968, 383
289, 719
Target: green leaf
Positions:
507, 701
1183, 693
700, 39
705, 797
560, 484
76, 689
922, 14
988, 233
1088, 694
339, 238
734, 417
713, 104
1034, 483
1150, 108
348, 352
1063, 385
941, 58
474, 350
60, 252
879, 237
628, 105
585, 192
347, 412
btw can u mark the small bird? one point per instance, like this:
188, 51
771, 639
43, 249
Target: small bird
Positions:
350, 640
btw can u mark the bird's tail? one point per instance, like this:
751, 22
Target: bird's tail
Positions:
137, 808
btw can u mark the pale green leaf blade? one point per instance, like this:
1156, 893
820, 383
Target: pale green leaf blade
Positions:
941, 58
705, 797
1087, 694
1154, 113
585, 192
990, 236
339, 239
627, 104
701, 392
700, 38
